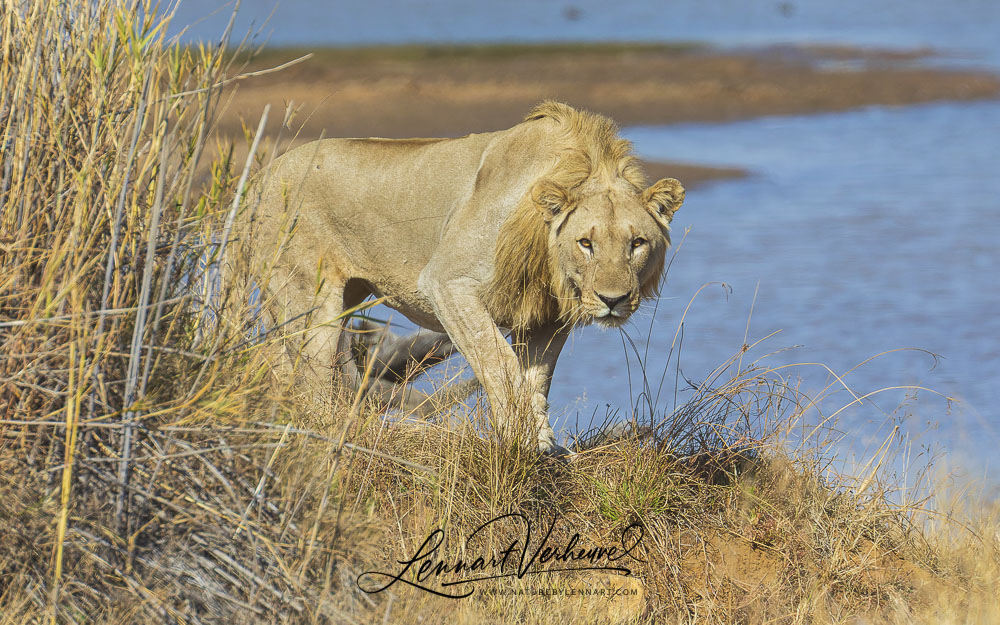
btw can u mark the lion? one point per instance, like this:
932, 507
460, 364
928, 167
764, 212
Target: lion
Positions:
528, 231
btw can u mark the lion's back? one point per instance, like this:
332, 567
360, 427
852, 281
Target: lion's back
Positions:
373, 183
372, 209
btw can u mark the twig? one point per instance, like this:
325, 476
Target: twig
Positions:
88, 314
263, 476
357, 448
260, 72
231, 218
115, 233
132, 377
72, 419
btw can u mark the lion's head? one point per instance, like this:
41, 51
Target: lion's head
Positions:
607, 245
588, 242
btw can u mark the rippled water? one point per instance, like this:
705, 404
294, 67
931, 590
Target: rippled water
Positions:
860, 233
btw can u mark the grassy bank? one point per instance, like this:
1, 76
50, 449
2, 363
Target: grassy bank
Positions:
155, 467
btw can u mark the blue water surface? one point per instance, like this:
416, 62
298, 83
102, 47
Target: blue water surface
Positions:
967, 28
856, 233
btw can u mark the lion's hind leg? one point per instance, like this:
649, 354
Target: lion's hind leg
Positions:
398, 360
312, 326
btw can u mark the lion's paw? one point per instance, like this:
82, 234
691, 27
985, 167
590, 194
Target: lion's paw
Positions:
540, 406
546, 436
547, 445
546, 439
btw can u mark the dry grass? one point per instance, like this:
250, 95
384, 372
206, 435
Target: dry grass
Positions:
153, 469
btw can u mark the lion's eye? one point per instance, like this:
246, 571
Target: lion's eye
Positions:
585, 244
638, 242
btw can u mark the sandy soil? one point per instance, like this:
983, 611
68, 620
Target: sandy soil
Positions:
450, 91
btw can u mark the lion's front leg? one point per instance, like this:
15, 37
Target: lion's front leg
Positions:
473, 331
538, 350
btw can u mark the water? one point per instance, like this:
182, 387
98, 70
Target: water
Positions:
859, 235
965, 27
860, 232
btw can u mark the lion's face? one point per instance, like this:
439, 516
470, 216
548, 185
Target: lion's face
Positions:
608, 245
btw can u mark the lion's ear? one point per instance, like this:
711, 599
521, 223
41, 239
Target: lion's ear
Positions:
550, 198
663, 199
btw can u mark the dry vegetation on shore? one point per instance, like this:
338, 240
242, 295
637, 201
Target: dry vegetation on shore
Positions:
154, 469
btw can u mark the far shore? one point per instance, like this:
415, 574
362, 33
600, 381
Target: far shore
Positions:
425, 91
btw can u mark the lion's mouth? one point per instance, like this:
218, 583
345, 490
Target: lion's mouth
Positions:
611, 318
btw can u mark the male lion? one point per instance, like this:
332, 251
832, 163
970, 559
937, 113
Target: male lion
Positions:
534, 229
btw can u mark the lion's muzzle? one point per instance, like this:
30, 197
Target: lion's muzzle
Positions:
613, 310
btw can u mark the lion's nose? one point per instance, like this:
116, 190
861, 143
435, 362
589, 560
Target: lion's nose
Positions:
612, 301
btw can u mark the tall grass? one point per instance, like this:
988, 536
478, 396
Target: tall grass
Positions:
112, 211
152, 467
